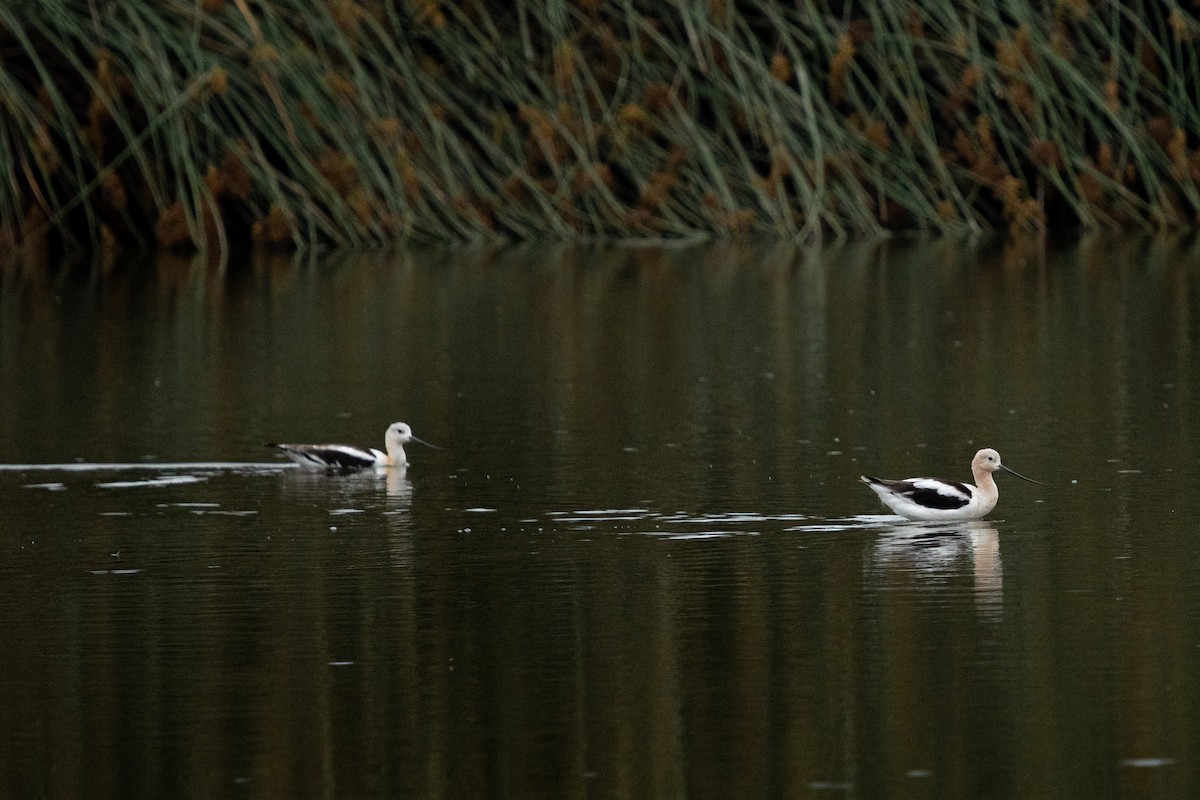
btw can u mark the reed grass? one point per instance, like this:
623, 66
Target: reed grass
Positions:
282, 122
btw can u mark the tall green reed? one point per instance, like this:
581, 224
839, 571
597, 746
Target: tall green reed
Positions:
283, 122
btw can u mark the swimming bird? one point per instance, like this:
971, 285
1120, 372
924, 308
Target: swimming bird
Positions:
937, 500
343, 456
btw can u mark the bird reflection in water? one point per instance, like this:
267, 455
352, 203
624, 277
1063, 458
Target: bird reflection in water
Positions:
940, 552
344, 487
399, 487
399, 516
358, 500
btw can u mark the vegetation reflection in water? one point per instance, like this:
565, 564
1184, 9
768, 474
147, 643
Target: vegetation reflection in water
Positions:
643, 563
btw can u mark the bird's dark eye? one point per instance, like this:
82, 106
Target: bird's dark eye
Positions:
991, 459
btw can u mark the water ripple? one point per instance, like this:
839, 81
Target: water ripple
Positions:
682, 525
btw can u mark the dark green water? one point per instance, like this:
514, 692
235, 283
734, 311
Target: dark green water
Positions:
641, 565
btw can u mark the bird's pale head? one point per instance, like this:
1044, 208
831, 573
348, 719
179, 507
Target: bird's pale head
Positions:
987, 460
398, 432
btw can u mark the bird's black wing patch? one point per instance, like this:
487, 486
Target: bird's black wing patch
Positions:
330, 456
932, 498
341, 458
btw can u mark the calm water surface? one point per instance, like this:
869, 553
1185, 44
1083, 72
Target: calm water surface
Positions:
641, 565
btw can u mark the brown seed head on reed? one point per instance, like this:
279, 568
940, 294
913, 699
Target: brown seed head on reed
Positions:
1181, 29
641, 219
656, 97
860, 30
263, 55
1020, 98
275, 228
45, 154
1112, 95
1178, 153
741, 117
1105, 159
429, 12
108, 78
677, 156
1023, 41
341, 88
633, 116
93, 131
1008, 192
230, 178
876, 133
470, 208
839, 65
97, 111
1045, 154
914, 23
1074, 10
964, 147
1027, 215
113, 191
839, 164
604, 176
548, 185
1089, 187
1008, 56
309, 116
486, 215
431, 66
1147, 56
580, 179
658, 188
983, 133
564, 64
338, 170
1160, 129
568, 120
215, 83
989, 169
171, 229
781, 167
385, 128
346, 15
514, 188
971, 77
540, 124
959, 92
741, 221
500, 127
110, 249
781, 68
213, 180
410, 178
1060, 41
361, 205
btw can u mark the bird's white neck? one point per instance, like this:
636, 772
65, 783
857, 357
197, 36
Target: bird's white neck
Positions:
395, 454
986, 484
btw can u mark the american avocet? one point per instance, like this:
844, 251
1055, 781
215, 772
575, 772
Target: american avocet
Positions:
342, 456
936, 500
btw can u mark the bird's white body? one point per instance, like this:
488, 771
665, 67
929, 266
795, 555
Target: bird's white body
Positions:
937, 500
343, 456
